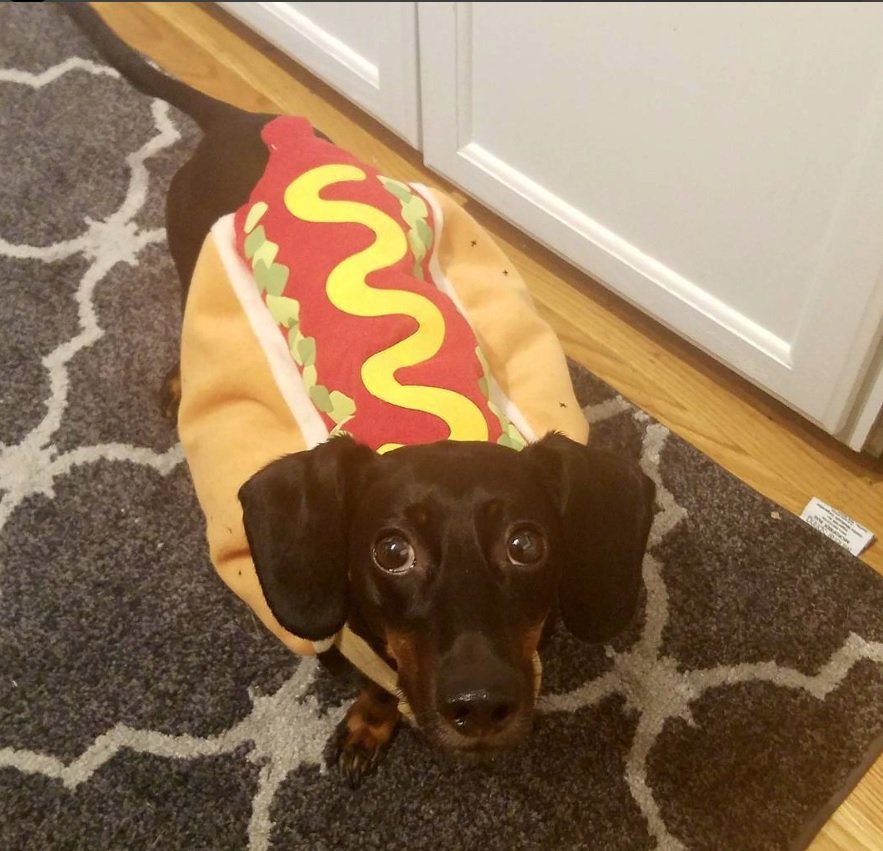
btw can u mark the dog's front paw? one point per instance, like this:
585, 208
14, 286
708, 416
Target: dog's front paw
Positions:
170, 395
357, 752
364, 735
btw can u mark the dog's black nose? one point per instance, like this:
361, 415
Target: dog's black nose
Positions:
480, 713
479, 692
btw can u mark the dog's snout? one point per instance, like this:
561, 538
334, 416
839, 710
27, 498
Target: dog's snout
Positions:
479, 693
480, 713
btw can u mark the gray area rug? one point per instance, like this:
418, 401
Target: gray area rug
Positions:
142, 707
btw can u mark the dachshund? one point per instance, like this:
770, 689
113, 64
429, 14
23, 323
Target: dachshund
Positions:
451, 559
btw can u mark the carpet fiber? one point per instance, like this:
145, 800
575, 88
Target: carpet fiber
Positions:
141, 706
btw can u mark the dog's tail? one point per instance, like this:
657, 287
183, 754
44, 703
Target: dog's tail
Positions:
205, 110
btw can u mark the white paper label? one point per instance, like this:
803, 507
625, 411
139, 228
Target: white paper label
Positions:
837, 526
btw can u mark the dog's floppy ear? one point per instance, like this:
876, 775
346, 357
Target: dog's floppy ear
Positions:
606, 505
296, 512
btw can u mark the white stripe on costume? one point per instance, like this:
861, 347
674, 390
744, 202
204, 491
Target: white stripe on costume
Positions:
282, 366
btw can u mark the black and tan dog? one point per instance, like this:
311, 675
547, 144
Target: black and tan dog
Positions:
446, 558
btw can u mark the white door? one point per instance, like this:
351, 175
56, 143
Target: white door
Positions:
368, 51
718, 165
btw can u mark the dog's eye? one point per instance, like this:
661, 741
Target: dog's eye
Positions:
393, 554
526, 547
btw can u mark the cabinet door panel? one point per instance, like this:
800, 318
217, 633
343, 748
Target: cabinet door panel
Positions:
716, 164
368, 51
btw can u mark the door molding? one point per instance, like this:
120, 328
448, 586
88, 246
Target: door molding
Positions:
386, 89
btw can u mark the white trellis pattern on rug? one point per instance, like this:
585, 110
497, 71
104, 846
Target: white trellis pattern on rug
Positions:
32, 465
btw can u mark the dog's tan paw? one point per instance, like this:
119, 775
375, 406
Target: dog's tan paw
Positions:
365, 734
170, 398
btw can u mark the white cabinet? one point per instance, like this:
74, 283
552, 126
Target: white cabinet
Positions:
718, 165
368, 51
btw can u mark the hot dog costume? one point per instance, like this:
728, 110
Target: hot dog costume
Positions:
338, 299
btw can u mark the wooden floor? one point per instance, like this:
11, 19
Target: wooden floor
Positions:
749, 434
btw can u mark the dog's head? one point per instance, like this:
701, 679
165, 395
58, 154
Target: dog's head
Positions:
452, 556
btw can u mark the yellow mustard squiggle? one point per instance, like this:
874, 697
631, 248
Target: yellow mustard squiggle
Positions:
349, 292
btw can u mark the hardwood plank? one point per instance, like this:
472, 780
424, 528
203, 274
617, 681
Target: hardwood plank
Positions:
751, 435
